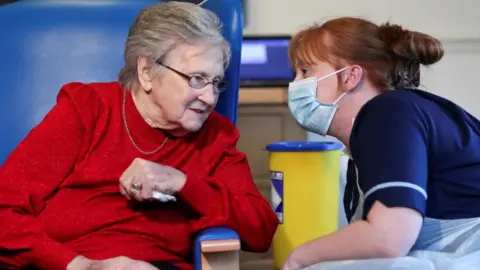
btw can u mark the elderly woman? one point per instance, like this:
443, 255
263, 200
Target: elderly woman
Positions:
122, 175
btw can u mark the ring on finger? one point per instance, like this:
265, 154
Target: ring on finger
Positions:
135, 187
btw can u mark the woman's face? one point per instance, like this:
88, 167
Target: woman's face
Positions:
182, 107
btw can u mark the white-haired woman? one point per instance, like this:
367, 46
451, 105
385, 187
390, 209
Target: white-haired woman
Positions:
122, 175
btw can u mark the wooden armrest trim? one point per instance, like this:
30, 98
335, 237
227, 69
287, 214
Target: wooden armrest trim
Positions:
220, 245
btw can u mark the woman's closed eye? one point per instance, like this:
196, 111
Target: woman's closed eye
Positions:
304, 71
301, 73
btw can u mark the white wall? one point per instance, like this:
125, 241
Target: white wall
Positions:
454, 22
442, 18
456, 75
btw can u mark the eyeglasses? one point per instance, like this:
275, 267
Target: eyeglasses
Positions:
198, 81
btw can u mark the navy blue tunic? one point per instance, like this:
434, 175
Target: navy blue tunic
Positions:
417, 150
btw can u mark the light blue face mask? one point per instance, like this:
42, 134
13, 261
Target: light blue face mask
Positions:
309, 112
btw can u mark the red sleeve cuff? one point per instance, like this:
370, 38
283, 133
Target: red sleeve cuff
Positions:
200, 195
51, 255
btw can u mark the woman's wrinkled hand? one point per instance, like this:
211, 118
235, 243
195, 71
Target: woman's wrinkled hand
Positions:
143, 177
121, 263
117, 263
80, 263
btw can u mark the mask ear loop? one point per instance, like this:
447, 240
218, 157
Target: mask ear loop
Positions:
203, 2
339, 98
333, 73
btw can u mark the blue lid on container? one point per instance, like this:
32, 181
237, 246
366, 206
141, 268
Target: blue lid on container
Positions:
303, 146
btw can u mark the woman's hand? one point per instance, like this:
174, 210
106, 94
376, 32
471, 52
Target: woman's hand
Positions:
117, 263
121, 263
143, 177
80, 263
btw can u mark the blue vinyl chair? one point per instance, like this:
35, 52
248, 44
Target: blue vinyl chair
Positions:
46, 43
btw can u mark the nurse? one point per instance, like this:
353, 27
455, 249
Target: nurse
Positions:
414, 173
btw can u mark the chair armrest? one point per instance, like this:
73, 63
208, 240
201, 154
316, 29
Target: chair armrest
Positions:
216, 248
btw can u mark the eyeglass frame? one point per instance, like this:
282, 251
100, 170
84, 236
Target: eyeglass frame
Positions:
217, 89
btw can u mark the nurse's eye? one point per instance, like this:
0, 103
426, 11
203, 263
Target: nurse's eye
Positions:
304, 71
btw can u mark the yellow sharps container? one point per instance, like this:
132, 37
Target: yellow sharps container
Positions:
305, 193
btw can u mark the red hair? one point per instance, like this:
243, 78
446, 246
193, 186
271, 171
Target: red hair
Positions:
390, 55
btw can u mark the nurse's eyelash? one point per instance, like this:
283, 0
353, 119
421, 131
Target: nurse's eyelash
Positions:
304, 70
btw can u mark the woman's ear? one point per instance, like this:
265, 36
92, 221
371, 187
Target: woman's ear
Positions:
352, 77
144, 74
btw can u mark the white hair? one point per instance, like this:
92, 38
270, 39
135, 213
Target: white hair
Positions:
162, 27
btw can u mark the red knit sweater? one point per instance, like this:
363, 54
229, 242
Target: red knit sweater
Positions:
59, 190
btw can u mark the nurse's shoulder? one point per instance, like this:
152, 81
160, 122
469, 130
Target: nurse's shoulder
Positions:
392, 108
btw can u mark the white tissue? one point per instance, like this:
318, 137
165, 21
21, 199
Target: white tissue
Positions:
163, 197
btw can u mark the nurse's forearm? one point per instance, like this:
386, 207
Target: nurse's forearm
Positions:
387, 233
358, 240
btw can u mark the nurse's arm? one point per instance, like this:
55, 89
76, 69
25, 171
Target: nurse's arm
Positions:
386, 233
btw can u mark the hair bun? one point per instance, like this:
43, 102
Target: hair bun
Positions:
410, 45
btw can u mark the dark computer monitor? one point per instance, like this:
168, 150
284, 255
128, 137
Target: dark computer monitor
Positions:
265, 62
